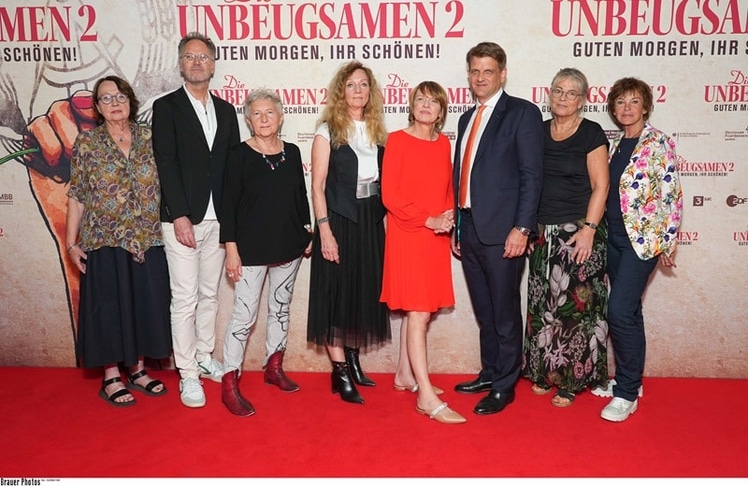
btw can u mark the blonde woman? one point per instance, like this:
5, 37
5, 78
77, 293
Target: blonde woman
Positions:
346, 272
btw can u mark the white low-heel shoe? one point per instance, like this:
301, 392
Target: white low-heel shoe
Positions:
619, 409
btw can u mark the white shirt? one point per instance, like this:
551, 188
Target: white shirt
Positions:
207, 115
366, 151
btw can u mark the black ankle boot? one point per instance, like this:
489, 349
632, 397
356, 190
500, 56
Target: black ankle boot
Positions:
354, 365
341, 383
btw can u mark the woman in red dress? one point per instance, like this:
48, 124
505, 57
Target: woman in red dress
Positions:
417, 192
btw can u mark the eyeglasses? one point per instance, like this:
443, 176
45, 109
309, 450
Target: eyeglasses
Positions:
559, 93
201, 58
107, 98
423, 100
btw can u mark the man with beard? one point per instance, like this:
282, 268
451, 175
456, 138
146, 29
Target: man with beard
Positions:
192, 134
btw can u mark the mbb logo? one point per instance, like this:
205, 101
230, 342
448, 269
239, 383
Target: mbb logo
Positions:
734, 200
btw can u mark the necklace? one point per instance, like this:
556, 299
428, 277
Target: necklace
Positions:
634, 140
120, 138
560, 131
274, 165
255, 144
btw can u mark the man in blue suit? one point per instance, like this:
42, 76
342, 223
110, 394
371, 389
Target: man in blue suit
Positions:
498, 170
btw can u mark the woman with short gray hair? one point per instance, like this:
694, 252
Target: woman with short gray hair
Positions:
266, 228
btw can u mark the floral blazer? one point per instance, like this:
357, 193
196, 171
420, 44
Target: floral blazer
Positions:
651, 196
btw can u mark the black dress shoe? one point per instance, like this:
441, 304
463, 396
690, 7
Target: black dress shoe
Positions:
475, 386
494, 402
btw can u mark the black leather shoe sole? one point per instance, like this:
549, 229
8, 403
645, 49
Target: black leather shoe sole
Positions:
473, 387
491, 404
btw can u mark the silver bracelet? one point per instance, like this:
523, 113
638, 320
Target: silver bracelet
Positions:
323, 220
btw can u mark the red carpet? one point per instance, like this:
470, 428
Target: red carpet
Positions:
55, 426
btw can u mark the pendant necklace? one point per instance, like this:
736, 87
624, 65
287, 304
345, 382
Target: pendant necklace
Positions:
274, 165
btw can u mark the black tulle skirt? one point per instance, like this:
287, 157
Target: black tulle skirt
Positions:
124, 308
344, 307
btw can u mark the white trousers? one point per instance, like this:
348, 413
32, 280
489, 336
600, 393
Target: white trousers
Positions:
281, 279
194, 276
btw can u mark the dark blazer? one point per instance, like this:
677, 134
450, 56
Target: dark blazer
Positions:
188, 169
507, 173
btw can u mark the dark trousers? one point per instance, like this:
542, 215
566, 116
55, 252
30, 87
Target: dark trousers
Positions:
494, 286
628, 276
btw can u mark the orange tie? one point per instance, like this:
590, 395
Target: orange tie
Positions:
465, 168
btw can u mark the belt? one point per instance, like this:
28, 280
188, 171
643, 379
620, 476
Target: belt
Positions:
367, 189
466, 210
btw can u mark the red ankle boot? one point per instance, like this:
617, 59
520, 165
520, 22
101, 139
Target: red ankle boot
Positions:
274, 374
232, 397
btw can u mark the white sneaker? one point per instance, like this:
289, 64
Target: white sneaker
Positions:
211, 369
619, 409
191, 392
608, 391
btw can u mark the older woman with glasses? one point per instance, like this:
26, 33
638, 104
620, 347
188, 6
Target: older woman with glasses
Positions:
565, 341
114, 238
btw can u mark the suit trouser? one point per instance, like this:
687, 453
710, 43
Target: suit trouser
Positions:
628, 276
194, 276
494, 286
247, 292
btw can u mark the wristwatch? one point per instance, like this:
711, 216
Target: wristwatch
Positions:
523, 230
590, 224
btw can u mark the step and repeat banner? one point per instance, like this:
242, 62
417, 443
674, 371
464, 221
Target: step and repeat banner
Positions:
694, 54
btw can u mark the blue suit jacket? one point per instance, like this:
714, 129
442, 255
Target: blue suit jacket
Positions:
507, 173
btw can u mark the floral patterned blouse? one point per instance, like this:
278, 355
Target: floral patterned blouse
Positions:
120, 195
651, 196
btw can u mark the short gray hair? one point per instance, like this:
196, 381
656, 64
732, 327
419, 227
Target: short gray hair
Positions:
577, 77
202, 38
262, 94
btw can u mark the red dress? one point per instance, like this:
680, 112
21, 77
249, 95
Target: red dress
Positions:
416, 184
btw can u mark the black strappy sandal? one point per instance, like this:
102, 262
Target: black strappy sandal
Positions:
148, 389
112, 399
565, 394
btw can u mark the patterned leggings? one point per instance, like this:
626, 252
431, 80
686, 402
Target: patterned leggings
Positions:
282, 277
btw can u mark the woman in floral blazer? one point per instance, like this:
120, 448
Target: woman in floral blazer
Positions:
643, 213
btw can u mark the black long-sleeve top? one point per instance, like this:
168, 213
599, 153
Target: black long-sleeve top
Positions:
265, 205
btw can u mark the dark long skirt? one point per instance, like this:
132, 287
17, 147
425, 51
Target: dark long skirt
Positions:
567, 331
344, 307
124, 308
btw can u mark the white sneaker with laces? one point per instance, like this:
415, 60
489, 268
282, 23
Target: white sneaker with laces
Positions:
619, 409
608, 391
191, 392
211, 369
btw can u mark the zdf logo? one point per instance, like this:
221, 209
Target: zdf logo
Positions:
733, 200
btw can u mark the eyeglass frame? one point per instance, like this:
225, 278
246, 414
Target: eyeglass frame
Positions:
425, 100
202, 58
561, 94
119, 97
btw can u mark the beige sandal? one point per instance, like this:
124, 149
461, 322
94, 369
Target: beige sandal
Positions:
443, 414
414, 388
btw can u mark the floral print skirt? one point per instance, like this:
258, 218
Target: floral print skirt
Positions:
565, 341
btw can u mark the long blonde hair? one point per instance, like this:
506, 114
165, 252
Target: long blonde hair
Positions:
336, 113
